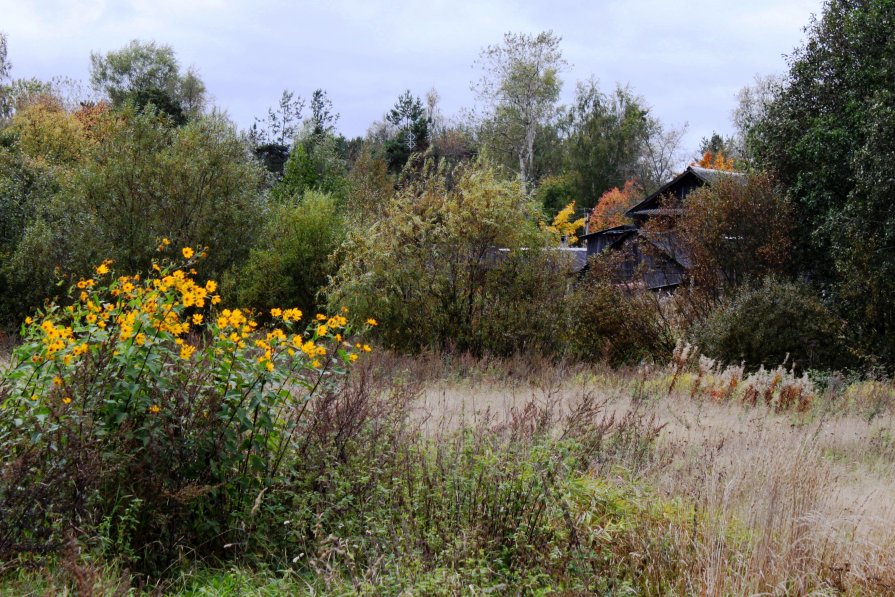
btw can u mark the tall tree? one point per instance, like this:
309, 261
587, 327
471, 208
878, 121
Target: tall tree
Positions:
606, 133
147, 72
5, 69
323, 120
409, 120
520, 87
828, 134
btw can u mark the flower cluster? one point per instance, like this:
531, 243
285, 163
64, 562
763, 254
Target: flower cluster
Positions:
146, 328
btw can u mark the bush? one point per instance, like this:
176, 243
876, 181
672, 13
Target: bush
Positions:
618, 323
775, 323
465, 267
144, 416
291, 263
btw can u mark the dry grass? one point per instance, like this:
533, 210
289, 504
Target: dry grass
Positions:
790, 501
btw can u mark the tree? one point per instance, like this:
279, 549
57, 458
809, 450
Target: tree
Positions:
606, 135
752, 108
563, 227
5, 69
409, 119
141, 180
457, 267
520, 87
291, 262
828, 134
612, 205
146, 72
736, 230
282, 121
323, 120
660, 155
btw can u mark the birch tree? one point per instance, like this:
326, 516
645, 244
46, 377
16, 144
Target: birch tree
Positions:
520, 86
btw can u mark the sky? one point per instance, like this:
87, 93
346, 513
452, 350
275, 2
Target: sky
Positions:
686, 59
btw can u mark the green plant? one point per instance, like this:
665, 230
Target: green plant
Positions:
777, 323
142, 388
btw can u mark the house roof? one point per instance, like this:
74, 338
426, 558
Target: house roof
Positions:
693, 176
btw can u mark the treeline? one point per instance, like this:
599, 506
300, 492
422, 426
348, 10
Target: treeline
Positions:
441, 228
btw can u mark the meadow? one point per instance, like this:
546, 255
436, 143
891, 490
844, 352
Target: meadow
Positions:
458, 475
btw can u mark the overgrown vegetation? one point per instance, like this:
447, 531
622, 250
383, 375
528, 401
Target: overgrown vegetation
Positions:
159, 432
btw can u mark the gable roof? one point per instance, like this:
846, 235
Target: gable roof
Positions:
680, 185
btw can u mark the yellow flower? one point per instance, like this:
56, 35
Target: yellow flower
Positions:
367, 348
102, 270
315, 364
320, 317
66, 400
275, 312
372, 322
187, 252
197, 318
57, 382
165, 241
34, 396
352, 357
28, 321
321, 330
211, 286
154, 409
269, 366
186, 351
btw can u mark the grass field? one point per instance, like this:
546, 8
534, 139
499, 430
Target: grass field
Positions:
752, 499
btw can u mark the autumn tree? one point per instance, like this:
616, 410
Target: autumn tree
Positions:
564, 227
520, 87
736, 230
612, 205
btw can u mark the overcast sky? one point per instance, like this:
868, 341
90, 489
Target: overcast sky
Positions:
687, 59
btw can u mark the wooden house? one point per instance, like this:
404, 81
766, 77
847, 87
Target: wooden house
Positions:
658, 257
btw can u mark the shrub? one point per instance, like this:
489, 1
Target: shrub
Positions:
291, 263
465, 267
143, 414
617, 322
778, 322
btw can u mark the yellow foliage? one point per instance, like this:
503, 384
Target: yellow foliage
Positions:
563, 227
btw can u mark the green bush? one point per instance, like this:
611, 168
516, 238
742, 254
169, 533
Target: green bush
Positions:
146, 417
292, 261
776, 322
615, 322
465, 267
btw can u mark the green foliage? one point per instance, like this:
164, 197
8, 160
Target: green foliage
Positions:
411, 123
554, 193
141, 180
146, 72
520, 86
115, 418
605, 140
291, 261
616, 323
316, 163
464, 266
827, 134
775, 323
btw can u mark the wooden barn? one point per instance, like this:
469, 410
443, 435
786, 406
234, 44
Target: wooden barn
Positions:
658, 257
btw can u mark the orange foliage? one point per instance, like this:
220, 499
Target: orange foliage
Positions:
612, 205
716, 161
